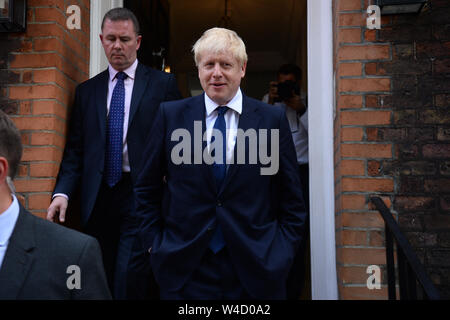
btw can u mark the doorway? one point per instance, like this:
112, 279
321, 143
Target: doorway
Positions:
321, 95
274, 32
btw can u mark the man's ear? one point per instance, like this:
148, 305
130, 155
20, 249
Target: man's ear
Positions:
244, 67
138, 42
4, 168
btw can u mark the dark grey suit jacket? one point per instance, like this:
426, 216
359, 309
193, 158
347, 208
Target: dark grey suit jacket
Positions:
36, 262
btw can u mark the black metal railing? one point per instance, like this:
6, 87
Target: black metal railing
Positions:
410, 269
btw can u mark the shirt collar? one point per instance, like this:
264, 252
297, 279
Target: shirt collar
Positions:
130, 71
235, 103
8, 220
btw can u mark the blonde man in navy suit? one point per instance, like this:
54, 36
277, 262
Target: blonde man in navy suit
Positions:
220, 230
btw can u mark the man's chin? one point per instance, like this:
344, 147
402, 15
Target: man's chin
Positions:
119, 66
219, 100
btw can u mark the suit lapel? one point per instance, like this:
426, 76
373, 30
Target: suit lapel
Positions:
18, 258
141, 79
249, 119
196, 111
101, 94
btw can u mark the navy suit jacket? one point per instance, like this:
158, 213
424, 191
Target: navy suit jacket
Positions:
84, 154
262, 216
39, 254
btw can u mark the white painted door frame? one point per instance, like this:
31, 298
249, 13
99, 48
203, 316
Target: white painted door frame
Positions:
321, 160
321, 101
97, 58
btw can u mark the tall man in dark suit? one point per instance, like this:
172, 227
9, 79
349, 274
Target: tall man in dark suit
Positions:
111, 118
227, 218
39, 259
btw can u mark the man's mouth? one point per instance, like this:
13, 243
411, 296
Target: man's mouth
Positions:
217, 85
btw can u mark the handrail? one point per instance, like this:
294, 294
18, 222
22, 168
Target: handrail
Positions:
409, 266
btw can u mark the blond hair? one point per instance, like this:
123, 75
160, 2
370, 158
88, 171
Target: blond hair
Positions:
220, 40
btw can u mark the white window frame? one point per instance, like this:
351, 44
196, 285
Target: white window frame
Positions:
97, 59
321, 161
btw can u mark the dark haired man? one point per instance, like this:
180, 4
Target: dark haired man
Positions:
38, 259
112, 115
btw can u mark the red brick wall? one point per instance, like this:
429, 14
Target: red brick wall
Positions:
39, 70
391, 139
359, 229
420, 132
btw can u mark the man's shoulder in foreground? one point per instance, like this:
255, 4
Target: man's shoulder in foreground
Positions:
68, 239
55, 252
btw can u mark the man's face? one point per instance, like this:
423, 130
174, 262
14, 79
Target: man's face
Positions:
120, 43
220, 75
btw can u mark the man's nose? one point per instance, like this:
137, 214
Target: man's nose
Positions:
117, 44
217, 73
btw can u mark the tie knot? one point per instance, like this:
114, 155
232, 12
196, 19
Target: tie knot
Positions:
221, 110
121, 75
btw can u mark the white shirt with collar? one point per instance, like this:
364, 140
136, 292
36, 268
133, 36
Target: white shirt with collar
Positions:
8, 221
231, 120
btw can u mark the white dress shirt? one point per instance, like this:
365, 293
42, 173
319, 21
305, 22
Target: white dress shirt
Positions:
299, 128
8, 221
231, 120
128, 83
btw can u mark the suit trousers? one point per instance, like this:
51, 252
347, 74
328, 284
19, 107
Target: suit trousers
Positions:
214, 279
114, 224
299, 274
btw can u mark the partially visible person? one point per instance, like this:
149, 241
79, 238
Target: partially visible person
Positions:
39, 259
112, 115
286, 93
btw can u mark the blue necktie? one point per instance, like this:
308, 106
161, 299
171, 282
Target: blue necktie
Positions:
114, 133
219, 170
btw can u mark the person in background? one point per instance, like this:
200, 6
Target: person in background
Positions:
286, 93
111, 118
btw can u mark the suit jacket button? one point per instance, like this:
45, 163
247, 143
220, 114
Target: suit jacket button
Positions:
210, 229
219, 204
